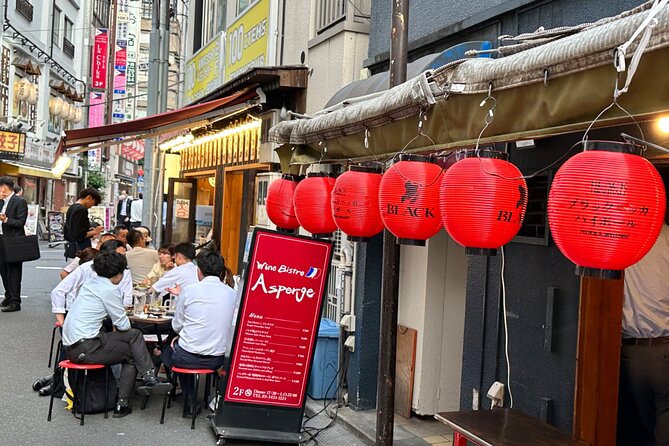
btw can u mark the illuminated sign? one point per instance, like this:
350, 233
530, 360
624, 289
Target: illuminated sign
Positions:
12, 145
99, 62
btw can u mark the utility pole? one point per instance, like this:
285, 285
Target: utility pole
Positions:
390, 275
158, 64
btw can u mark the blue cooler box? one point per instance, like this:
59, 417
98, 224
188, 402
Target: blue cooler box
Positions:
326, 362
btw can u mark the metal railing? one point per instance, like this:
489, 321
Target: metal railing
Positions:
330, 12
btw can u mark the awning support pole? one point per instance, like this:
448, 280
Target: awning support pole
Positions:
390, 275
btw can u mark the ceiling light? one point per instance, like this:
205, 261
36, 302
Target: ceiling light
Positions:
663, 124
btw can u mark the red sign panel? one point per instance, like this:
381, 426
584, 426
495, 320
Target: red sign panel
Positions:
279, 320
100, 54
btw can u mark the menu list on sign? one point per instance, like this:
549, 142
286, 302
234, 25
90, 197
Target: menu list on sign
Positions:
279, 319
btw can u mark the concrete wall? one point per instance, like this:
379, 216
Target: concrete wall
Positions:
296, 32
432, 297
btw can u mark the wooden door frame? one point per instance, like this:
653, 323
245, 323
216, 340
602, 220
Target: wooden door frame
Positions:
170, 207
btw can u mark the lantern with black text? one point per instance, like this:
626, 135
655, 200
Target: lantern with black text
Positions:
279, 203
605, 208
312, 204
409, 199
355, 203
483, 201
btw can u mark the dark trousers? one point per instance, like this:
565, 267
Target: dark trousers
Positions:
179, 357
120, 347
135, 224
12, 274
643, 415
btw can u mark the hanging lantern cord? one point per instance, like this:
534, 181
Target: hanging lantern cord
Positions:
489, 116
422, 118
324, 150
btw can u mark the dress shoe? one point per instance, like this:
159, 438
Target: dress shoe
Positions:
122, 410
152, 385
46, 390
4, 302
11, 308
42, 382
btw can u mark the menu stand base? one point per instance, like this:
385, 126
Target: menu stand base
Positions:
235, 433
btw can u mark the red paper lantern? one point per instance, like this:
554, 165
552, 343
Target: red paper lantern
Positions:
409, 199
279, 203
605, 208
355, 203
312, 204
483, 201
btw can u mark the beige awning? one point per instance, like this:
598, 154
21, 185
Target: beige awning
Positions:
557, 85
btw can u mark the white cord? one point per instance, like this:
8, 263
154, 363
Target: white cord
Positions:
506, 335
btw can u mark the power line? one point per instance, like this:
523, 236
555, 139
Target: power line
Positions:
362, 14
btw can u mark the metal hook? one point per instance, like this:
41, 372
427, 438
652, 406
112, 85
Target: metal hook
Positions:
324, 150
546, 80
366, 138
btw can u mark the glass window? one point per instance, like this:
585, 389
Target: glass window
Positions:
56, 27
147, 9
67, 30
242, 5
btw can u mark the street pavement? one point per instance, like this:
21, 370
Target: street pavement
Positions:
24, 352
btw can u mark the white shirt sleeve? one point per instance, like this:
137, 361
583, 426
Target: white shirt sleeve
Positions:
167, 281
69, 284
126, 287
179, 313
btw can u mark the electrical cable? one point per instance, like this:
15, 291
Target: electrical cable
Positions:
506, 333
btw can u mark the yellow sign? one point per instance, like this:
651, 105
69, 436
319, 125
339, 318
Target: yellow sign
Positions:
248, 40
205, 71
11, 142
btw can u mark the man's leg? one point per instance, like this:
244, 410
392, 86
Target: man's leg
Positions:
3, 273
14, 277
187, 360
660, 377
635, 375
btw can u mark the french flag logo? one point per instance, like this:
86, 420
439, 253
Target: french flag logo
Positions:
313, 273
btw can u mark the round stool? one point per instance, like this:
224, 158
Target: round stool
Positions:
196, 386
85, 367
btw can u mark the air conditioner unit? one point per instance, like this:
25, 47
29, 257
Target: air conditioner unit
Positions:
263, 181
266, 154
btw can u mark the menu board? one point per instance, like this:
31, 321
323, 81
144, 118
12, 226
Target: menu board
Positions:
55, 226
279, 320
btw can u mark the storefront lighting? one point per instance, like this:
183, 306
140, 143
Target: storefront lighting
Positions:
253, 124
178, 141
663, 124
60, 166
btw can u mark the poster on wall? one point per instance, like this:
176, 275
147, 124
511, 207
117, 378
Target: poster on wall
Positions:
181, 207
275, 336
31, 220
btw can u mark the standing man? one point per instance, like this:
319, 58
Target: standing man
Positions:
13, 214
643, 416
78, 229
202, 321
123, 209
136, 211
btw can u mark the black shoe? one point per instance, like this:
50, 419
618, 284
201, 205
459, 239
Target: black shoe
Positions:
10, 308
42, 382
189, 410
4, 302
46, 390
152, 385
122, 410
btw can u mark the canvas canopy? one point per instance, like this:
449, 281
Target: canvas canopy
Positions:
551, 82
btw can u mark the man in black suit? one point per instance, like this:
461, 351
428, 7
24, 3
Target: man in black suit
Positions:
123, 210
13, 214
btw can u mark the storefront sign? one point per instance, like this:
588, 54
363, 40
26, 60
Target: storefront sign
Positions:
99, 62
96, 117
12, 145
181, 207
54, 221
249, 40
205, 71
278, 320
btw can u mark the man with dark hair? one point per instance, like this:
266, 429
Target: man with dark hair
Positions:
121, 233
13, 214
140, 259
18, 190
136, 211
185, 272
78, 229
123, 209
202, 320
85, 343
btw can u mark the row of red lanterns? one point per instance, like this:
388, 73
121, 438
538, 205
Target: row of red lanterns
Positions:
605, 207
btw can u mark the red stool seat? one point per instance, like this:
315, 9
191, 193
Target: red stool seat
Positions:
67, 364
192, 371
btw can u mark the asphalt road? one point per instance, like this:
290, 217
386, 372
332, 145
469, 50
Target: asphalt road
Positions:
24, 351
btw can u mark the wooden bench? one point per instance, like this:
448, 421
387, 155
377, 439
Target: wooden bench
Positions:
503, 427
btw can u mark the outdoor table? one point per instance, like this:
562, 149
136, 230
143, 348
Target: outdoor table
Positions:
503, 427
156, 322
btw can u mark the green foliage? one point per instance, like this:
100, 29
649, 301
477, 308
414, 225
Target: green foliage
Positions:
96, 180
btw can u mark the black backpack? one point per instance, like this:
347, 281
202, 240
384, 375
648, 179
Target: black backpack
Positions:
95, 390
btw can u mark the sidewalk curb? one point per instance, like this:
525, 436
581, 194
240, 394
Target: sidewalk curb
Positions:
313, 406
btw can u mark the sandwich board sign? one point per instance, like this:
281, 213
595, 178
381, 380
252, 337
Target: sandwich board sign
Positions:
268, 365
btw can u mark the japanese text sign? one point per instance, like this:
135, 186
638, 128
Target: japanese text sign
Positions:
99, 62
279, 319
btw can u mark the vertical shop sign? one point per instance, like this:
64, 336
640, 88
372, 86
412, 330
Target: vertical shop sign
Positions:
275, 334
120, 62
99, 62
96, 116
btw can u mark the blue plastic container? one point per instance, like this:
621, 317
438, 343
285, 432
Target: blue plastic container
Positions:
326, 362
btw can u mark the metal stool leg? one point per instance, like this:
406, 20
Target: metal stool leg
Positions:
459, 439
59, 347
53, 338
162, 414
106, 391
207, 384
197, 385
48, 418
83, 405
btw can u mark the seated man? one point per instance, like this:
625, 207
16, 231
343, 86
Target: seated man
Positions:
202, 321
185, 272
85, 343
140, 259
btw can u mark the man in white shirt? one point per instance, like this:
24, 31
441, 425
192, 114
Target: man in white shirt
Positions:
202, 322
184, 274
140, 259
64, 294
136, 211
85, 342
